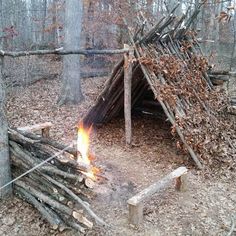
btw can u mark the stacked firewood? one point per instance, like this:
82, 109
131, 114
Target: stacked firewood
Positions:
59, 188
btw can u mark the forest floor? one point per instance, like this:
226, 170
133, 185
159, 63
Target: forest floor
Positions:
204, 209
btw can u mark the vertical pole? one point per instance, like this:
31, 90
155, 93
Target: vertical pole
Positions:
136, 214
231, 85
127, 93
5, 172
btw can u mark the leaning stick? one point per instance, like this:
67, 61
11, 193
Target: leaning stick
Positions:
77, 199
46, 168
59, 206
50, 216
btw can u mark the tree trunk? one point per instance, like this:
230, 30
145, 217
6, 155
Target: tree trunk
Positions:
71, 90
44, 21
54, 23
5, 174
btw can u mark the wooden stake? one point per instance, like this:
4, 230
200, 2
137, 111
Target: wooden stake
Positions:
181, 183
127, 94
136, 214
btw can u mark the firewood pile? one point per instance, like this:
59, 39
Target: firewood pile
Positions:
168, 61
59, 189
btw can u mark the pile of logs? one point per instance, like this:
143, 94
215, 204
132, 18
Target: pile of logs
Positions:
59, 188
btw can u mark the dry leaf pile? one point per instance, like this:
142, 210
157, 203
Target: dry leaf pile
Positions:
201, 113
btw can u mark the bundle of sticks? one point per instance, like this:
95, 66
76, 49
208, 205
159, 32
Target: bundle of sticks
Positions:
59, 188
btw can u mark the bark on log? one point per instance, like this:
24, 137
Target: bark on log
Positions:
62, 52
47, 168
47, 213
60, 207
127, 94
77, 199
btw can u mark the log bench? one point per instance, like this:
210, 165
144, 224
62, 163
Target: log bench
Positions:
136, 202
43, 127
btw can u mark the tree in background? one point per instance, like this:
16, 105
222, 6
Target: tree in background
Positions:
71, 89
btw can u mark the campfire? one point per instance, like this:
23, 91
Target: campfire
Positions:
60, 188
83, 156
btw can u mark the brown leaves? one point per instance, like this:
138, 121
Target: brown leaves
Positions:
224, 17
182, 86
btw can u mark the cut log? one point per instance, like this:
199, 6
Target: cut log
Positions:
77, 199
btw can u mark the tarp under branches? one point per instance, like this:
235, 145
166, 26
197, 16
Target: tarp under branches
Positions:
168, 62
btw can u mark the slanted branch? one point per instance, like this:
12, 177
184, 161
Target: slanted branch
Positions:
57, 188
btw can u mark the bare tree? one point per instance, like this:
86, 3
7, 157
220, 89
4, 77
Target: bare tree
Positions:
71, 90
5, 174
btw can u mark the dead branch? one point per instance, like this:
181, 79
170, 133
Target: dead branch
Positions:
55, 184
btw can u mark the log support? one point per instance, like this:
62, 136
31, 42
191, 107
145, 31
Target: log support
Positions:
127, 93
136, 214
43, 127
181, 183
136, 202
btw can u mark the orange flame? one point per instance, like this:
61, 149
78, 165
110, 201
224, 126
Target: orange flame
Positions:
83, 149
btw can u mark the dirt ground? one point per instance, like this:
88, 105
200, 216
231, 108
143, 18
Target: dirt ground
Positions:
204, 209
